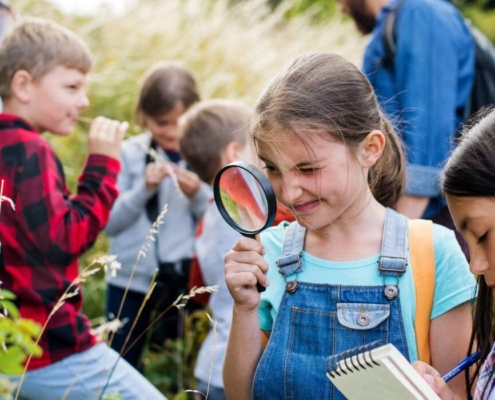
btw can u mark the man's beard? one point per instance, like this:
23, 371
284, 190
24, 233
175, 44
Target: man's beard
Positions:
363, 20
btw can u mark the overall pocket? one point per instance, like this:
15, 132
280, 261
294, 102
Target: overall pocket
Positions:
361, 323
317, 334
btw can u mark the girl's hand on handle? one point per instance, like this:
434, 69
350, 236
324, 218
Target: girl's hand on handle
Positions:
434, 379
244, 267
105, 137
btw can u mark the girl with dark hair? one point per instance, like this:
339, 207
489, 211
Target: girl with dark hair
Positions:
469, 186
154, 174
340, 276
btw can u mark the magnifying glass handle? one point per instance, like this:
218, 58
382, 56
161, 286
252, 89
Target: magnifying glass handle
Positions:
259, 286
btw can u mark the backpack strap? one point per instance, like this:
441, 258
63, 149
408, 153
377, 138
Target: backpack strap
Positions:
422, 257
389, 36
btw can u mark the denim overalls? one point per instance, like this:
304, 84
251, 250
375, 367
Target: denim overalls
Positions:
315, 321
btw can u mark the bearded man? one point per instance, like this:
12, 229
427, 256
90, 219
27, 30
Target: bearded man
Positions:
424, 86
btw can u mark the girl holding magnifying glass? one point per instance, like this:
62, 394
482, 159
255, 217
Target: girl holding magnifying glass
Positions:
338, 277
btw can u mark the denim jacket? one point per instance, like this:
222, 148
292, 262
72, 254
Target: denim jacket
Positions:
424, 94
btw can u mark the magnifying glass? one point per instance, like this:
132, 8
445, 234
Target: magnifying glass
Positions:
245, 199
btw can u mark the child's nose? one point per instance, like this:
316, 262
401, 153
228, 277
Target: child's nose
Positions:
83, 101
478, 264
291, 191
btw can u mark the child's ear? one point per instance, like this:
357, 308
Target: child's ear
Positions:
372, 148
21, 86
231, 152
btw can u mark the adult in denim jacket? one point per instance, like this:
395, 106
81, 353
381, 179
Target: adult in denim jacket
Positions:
425, 90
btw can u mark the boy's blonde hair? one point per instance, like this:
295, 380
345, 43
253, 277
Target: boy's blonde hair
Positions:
207, 128
37, 46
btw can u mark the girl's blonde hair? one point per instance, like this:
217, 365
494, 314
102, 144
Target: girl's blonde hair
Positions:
328, 95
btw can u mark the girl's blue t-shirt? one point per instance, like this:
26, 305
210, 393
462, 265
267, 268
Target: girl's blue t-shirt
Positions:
454, 283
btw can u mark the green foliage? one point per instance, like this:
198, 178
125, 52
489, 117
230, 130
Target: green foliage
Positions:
484, 20
17, 336
481, 5
321, 10
171, 367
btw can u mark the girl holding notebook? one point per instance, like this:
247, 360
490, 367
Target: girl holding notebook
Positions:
340, 276
469, 185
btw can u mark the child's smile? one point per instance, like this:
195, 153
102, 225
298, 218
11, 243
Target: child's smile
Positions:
319, 180
58, 112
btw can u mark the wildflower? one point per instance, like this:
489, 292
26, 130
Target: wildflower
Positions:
182, 300
110, 326
150, 237
110, 264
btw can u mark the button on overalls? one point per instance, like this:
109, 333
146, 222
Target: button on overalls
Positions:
315, 321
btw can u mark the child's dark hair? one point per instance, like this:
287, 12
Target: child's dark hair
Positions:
470, 172
165, 85
325, 94
207, 128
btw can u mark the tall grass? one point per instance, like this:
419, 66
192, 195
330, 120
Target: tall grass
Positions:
233, 49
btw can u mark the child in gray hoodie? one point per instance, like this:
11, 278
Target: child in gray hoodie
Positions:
153, 175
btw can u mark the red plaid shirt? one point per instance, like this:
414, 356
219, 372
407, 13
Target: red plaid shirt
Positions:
42, 239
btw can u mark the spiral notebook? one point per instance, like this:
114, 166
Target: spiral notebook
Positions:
377, 372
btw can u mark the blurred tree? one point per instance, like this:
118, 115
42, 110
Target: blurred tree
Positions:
484, 5
480, 12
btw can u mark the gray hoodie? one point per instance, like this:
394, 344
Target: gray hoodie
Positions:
128, 224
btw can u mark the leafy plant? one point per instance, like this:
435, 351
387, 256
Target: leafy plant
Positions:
17, 341
170, 367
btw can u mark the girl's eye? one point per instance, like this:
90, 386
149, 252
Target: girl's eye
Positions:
482, 238
307, 170
270, 168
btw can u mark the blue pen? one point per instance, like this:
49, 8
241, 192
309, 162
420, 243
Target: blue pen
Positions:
463, 364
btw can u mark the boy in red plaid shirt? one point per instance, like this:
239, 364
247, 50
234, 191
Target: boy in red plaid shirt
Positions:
43, 71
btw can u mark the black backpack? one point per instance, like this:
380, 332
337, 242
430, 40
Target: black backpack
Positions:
483, 92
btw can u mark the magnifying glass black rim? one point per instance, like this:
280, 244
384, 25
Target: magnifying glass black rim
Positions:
265, 185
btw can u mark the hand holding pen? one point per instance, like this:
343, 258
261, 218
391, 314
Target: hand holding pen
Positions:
463, 365
437, 382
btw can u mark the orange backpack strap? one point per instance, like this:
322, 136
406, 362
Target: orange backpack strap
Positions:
422, 258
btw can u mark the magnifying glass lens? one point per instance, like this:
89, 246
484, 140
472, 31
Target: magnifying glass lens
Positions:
244, 199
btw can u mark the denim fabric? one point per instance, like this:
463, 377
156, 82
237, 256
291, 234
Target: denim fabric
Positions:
425, 93
320, 320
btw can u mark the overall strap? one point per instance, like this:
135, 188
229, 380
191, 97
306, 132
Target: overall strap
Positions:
422, 255
290, 262
393, 260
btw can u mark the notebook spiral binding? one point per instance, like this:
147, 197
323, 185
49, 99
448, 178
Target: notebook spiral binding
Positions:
355, 359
